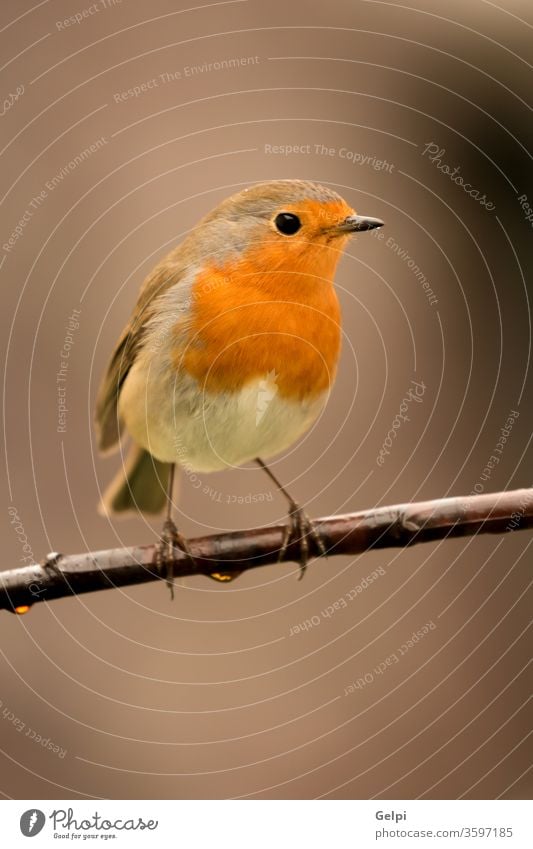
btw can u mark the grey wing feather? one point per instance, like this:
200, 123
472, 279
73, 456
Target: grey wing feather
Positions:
108, 425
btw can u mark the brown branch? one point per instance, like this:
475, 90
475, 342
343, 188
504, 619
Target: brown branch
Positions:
386, 527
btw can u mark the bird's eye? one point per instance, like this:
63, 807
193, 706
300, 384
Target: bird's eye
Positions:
287, 223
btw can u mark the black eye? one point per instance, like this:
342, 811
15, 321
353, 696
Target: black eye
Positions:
287, 223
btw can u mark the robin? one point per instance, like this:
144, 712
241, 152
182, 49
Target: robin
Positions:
231, 349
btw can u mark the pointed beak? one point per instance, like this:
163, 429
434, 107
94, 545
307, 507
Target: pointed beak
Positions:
358, 223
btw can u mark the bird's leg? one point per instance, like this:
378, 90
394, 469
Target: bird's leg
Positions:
299, 527
170, 537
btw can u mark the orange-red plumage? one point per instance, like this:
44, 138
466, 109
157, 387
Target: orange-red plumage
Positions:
243, 330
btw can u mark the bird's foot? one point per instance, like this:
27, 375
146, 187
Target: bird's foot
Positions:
300, 529
164, 553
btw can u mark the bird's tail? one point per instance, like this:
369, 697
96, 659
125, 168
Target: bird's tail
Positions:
140, 485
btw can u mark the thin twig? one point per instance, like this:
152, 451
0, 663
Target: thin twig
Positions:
386, 527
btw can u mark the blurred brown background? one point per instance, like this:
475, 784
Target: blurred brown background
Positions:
212, 696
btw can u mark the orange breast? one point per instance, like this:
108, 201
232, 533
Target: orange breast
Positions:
250, 320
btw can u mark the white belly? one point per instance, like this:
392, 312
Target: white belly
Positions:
177, 422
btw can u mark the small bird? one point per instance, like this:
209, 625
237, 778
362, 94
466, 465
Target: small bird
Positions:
231, 349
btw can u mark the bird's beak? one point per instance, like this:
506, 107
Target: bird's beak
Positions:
358, 223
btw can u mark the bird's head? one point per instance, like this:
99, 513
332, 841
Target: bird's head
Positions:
290, 226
